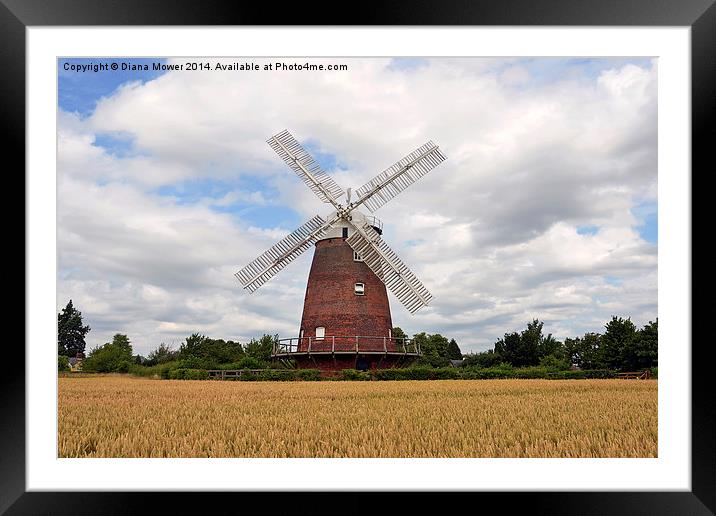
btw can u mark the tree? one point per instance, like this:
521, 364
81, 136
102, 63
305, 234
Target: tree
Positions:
433, 348
584, 352
453, 350
527, 348
70, 331
551, 347
161, 355
521, 349
508, 348
398, 333
204, 352
641, 352
485, 359
261, 349
554, 362
112, 357
530, 340
63, 363
616, 342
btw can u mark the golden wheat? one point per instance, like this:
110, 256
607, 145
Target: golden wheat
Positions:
132, 417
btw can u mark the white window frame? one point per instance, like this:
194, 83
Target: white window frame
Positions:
359, 291
357, 257
320, 332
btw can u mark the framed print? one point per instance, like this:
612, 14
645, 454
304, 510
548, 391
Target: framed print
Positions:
160, 160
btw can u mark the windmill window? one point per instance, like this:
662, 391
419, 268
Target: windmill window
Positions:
345, 232
357, 257
359, 289
320, 332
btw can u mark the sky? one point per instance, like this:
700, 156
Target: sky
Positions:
546, 206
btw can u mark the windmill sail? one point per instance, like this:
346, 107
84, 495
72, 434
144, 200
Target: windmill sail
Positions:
305, 167
268, 264
389, 183
383, 261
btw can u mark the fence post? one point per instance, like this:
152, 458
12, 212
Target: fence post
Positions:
309, 345
385, 346
356, 343
333, 344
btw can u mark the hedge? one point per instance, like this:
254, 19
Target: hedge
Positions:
468, 373
188, 374
160, 370
354, 374
178, 371
280, 375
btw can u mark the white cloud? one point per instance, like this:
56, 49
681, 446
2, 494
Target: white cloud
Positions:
492, 232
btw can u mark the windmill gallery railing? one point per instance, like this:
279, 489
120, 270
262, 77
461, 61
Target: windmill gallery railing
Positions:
340, 344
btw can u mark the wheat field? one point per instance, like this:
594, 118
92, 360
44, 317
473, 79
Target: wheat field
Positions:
121, 416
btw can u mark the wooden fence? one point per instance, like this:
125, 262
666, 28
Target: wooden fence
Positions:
635, 375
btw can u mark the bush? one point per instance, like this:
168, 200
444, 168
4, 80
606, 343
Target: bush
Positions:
554, 363
354, 374
160, 370
445, 373
582, 374
63, 363
491, 373
112, 357
417, 373
654, 372
244, 363
532, 372
188, 374
485, 359
308, 375
196, 363
281, 375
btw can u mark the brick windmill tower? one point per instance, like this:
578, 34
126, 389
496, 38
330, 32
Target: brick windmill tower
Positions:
346, 319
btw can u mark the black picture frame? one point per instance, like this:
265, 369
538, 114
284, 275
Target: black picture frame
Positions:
700, 15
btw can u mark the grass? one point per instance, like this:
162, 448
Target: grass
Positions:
121, 416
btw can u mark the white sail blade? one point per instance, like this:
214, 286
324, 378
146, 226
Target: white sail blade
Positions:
282, 253
389, 183
303, 164
383, 261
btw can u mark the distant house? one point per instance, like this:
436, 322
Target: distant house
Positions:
76, 362
456, 363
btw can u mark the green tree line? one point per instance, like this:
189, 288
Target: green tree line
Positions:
621, 347
196, 352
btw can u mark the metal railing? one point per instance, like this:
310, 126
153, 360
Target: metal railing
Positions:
346, 344
374, 221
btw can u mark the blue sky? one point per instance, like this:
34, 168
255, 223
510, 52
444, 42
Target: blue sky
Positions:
186, 192
78, 92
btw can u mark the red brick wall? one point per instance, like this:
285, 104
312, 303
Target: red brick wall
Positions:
331, 301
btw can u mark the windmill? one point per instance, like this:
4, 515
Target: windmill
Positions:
346, 320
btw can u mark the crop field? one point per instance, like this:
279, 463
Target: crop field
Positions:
121, 416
